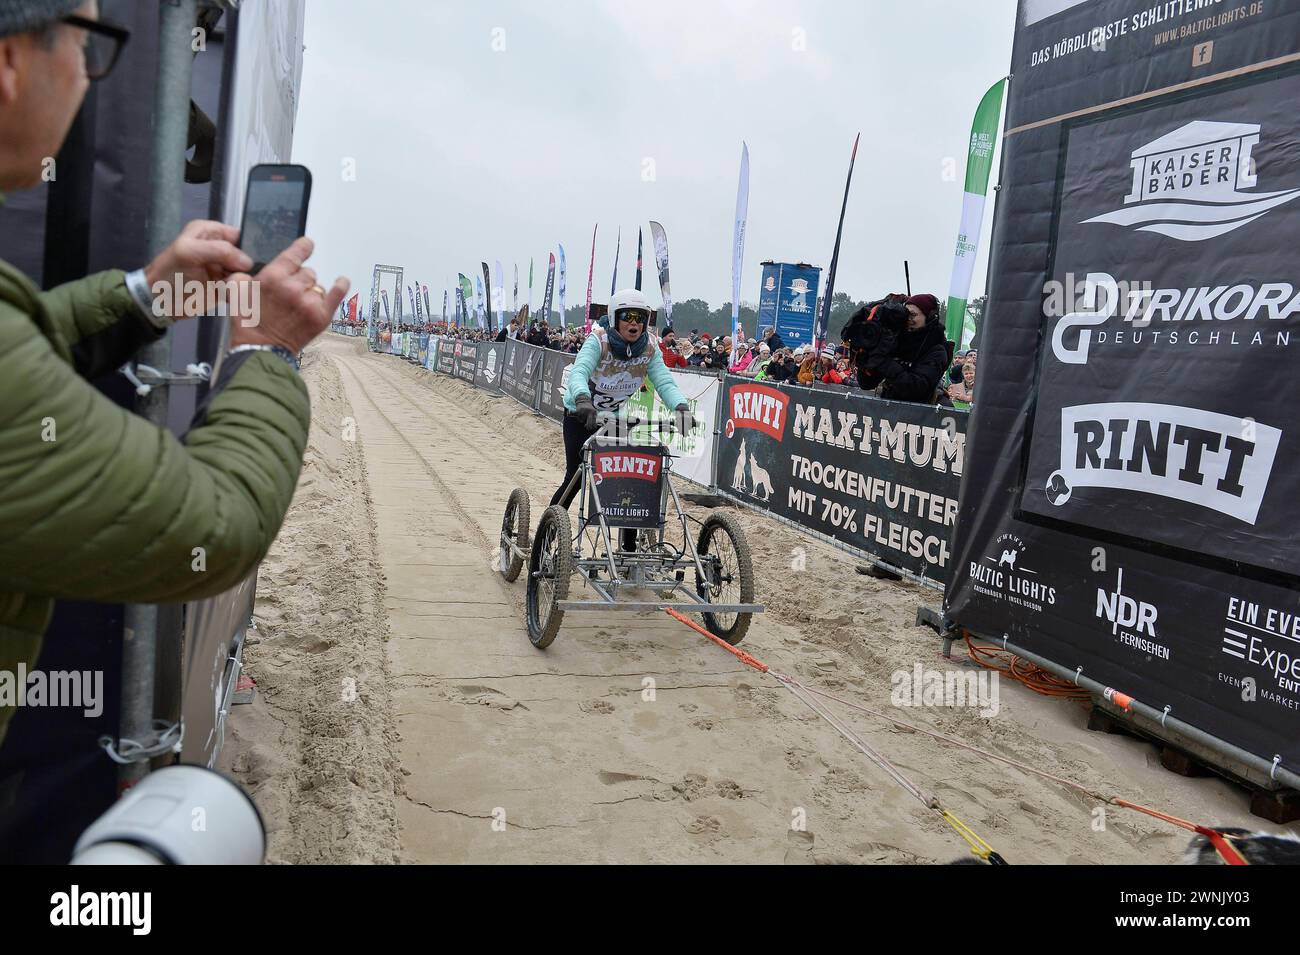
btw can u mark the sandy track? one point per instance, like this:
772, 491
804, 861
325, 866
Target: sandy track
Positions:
462, 742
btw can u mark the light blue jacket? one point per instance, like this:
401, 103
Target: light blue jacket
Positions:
618, 379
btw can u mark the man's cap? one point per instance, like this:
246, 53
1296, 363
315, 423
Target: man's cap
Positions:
20, 16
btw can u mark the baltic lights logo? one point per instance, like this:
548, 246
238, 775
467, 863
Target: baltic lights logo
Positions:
1187, 184
1003, 575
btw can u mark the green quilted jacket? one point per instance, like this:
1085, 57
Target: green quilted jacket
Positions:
98, 504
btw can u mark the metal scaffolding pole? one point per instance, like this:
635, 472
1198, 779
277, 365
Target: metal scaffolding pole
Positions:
171, 114
1273, 771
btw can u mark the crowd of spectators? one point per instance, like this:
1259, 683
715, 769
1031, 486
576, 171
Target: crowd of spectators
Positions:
895, 347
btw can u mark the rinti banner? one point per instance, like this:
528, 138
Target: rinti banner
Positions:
878, 476
1133, 489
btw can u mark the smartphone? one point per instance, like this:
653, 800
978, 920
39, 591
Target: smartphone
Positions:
275, 210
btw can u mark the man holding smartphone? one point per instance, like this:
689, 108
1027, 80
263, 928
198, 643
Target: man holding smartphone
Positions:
100, 504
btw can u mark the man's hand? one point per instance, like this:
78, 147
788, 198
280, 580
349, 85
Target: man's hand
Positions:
586, 411
289, 309
204, 251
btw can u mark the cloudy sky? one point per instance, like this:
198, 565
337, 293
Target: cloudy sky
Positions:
497, 130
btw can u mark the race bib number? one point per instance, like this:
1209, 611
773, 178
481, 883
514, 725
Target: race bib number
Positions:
612, 390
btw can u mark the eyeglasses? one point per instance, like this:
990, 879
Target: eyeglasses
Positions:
104, 42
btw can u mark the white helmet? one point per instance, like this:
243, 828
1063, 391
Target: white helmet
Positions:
629, 300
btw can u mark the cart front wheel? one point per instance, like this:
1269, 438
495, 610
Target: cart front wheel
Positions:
550, 565
514, 530
729, 575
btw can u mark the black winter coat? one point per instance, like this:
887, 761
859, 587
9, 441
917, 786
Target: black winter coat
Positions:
917, 367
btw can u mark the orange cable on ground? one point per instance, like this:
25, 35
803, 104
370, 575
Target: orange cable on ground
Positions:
744, 657
1021, 670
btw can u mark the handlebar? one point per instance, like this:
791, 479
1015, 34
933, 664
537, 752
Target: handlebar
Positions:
623, 426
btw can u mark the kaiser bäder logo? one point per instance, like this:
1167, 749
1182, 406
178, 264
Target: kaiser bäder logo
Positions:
799, 291
1188, 183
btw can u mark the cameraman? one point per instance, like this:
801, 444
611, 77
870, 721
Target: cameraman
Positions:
901, 348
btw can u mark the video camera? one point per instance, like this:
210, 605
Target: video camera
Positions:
873, 331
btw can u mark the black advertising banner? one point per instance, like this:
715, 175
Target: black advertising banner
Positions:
466, 360
546, 297
446, 359
1131, 499
491, 361
879, 476
522, 370
555, 378
1186, 267
487, 293
629, 482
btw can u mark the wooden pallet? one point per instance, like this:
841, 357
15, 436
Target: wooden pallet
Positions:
1269, 801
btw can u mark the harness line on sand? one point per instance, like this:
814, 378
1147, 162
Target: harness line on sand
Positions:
978, 846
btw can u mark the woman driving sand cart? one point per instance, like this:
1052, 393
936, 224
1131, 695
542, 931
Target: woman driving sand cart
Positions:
623, 485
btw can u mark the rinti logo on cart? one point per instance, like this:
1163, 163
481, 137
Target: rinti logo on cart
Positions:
623, 464
756, 406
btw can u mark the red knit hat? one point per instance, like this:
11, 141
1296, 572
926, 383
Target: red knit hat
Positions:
926, 302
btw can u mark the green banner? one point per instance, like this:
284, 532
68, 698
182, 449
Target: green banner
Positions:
979, 163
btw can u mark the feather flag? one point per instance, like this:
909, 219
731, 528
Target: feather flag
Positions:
613, 284
823, 317
562, 283
660, 240
591, 269
738, 250
638, 258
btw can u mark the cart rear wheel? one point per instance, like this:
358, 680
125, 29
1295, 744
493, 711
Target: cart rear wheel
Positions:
550, 565
730, 575
514, 529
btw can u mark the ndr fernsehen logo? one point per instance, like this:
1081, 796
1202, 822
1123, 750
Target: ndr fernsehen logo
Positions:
1188, 183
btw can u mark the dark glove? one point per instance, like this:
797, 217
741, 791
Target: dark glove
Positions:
890, 369
683, 419
586, 411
